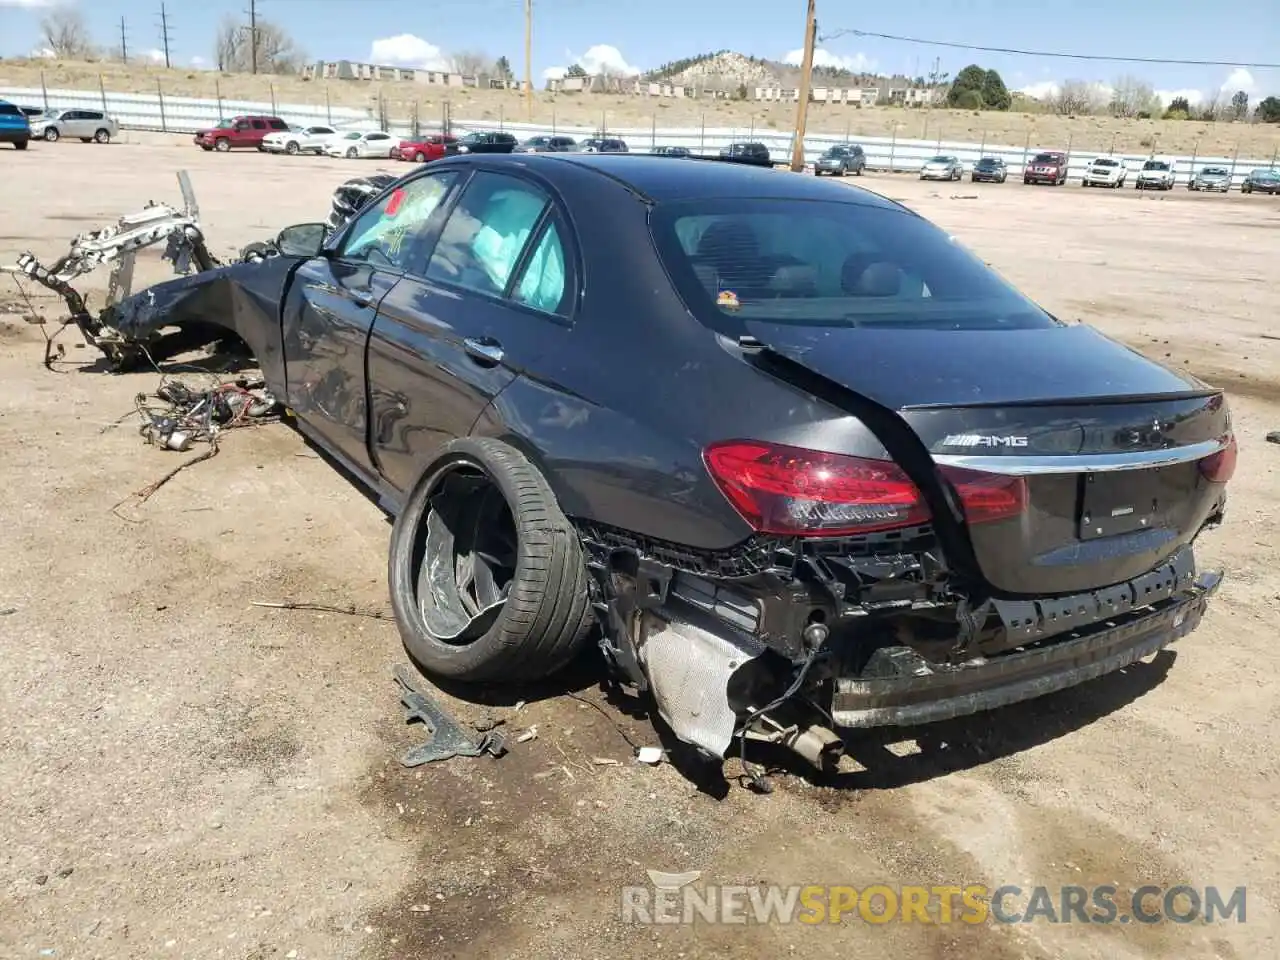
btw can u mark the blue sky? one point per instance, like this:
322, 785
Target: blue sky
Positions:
643, 34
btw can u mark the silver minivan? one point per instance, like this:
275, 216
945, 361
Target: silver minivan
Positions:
87, 125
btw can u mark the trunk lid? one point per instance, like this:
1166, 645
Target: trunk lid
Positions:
1107, 442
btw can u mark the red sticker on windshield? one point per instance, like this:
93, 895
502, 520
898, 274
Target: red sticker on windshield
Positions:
394, 201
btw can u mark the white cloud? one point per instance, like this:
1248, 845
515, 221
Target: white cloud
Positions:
603, 58
42, 53
407, 50
1041, 90
198, 61
858, 63
1192, 97
1239, 79
26, 4
154, 55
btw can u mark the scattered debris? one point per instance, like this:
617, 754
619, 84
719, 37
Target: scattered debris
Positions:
606, 762
649, 755
530, 734
445, 738
6, 611
1273, 436
349, 611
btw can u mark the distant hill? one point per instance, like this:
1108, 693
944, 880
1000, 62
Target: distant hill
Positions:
726, 70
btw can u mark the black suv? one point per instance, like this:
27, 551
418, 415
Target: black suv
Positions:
840, 160
756, 154
548, 145
672, 152
487, 142
604, 145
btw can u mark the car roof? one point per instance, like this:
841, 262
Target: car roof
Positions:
659, 180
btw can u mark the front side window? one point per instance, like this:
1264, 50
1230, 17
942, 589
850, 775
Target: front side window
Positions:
827, 263
486, 233
390, 232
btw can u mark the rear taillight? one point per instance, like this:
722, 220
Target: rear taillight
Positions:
794, 492
1221, 466
985, 497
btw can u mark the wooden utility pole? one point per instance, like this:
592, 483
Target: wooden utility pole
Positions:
124, 43
164, 33
253, 36
528, 59
806, 79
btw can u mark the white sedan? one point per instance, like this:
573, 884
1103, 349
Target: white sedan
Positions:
372, 143
297, 140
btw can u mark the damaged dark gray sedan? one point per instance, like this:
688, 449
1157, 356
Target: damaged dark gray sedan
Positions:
789, 454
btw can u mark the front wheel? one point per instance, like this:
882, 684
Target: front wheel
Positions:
51, 134
488, 579
102, 136
420, 157
352, 153
291, 148
222, 145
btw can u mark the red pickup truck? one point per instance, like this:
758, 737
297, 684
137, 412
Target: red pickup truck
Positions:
238, 133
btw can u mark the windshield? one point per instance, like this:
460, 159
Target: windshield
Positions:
1265, 174
828, 264
1105, 162
836, 152
989, 162
51, 115
1155, 165
1214, 172
224, 125
353, 136
1045, 158
942, 160
536, 142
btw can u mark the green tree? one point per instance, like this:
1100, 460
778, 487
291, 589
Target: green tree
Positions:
995, 95
1268, 111
503, 68
972, 77
969, 100
1240, 105
1179, 109
575, 70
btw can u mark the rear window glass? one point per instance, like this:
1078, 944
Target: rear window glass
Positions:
9, 110
821, 263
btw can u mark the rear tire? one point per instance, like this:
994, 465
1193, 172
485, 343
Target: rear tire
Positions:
102, 135
545, 613
20, 144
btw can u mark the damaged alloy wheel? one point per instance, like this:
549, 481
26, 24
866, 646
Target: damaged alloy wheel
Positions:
487, 575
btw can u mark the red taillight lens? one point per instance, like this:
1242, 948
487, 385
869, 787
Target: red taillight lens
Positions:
987, 496
794, 492
1221, 466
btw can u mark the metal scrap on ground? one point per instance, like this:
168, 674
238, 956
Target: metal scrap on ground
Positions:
445, 737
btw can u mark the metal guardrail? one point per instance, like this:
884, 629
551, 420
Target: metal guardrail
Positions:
163, 113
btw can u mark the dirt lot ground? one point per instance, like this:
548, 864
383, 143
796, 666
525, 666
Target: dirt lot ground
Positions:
1255, 142
185, 774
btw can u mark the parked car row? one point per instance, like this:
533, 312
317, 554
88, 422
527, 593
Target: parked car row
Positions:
1051, 167
20, 125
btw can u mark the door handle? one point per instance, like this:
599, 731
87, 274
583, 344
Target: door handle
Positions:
485, 351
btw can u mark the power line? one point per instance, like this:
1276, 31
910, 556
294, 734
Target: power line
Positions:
164, 34
1048, 53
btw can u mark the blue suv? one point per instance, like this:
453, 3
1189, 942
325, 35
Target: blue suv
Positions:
15, 128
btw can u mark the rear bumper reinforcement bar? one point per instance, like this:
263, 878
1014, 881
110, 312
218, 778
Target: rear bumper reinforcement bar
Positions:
922, 692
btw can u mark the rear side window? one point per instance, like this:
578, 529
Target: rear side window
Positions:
829, 263
9, 110
277, 124
486, 233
